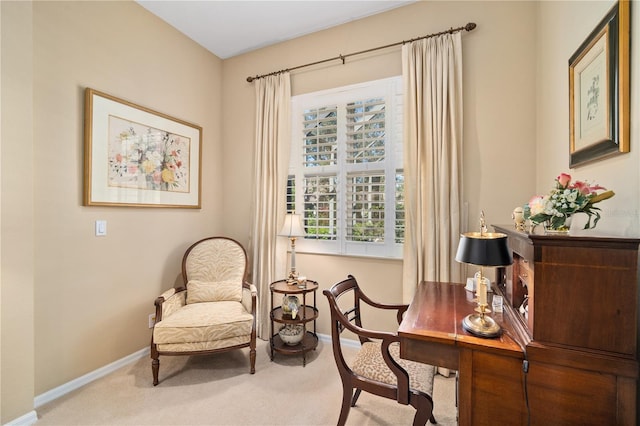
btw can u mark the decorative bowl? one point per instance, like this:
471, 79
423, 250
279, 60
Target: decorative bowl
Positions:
292, 334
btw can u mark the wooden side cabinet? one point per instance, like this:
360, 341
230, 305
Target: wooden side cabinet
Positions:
306, 318
576, 302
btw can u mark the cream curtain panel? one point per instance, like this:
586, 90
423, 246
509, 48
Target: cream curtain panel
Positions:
432, 74
271, 163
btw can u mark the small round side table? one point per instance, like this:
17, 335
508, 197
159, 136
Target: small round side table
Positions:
307, 314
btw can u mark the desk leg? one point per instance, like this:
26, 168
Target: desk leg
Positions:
465, 387
490, 390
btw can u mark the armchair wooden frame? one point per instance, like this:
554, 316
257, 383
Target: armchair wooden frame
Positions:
181, 291
350, 319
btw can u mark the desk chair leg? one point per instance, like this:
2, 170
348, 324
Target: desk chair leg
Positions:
355, 397
346, 404
424, 412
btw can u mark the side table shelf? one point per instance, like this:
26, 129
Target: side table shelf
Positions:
307, 315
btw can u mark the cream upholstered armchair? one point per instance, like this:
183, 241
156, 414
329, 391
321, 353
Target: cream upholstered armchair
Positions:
214, 311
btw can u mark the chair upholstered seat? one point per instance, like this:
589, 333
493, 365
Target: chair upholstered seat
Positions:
204, 322
370, 364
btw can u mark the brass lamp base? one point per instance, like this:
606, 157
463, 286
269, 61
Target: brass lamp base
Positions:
481, 325
292, 279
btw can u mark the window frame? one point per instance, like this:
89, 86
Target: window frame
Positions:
391, 90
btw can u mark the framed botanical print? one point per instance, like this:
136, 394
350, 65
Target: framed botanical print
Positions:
135, 156
599, 90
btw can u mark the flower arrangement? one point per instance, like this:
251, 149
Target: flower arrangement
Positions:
146, 158
564, 200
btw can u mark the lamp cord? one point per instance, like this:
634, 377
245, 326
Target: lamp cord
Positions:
525, 371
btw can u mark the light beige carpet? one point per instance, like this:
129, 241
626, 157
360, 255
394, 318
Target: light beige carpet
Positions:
218, 390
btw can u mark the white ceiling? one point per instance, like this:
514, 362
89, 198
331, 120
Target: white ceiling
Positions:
229, 28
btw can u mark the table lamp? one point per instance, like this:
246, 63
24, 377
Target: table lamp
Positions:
292, 229
483, 249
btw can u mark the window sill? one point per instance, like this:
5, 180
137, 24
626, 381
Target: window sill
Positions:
356, 256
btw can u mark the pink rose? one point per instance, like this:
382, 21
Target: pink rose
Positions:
564, 179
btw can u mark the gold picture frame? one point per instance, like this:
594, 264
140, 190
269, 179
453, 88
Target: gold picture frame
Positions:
599, 90
138, 157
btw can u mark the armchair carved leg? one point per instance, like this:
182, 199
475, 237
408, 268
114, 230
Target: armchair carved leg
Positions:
155, 364
252, 357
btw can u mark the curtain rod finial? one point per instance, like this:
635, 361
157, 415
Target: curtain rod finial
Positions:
470, 26
250, 79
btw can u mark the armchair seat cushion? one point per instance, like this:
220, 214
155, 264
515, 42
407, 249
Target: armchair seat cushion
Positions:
204, 322
370, 364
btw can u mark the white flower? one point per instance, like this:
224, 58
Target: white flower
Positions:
155, 157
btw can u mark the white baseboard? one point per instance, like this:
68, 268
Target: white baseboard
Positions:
345, 342
74, 384
27, 420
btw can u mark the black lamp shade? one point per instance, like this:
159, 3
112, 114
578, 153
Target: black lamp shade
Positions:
484, 249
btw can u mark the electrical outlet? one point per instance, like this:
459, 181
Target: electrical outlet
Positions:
152, 320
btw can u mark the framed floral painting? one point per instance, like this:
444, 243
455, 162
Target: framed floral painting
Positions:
135, 156
599, 90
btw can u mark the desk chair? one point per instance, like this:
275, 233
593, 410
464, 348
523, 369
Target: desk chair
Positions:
378, 368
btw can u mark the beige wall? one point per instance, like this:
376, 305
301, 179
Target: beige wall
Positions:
562, 27
17, 212
82, 300
499, 93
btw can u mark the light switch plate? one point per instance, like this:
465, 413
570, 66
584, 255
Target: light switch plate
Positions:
101, 228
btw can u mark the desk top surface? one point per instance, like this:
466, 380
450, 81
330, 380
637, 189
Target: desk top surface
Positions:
436, 315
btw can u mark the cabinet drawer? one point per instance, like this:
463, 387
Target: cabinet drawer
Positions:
524, 271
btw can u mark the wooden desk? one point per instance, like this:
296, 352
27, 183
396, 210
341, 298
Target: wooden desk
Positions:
565, 385
490, 389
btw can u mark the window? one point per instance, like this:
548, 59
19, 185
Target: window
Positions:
345, 173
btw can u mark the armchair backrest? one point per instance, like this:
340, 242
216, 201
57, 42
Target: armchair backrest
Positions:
215, 259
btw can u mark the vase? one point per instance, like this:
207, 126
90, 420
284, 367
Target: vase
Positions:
558, 226
290, 305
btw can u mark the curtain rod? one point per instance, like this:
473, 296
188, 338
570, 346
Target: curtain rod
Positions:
469, 27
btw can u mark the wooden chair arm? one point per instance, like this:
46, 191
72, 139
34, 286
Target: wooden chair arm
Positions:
387, 339
402, 376
250, 305
160, 300
400, 308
